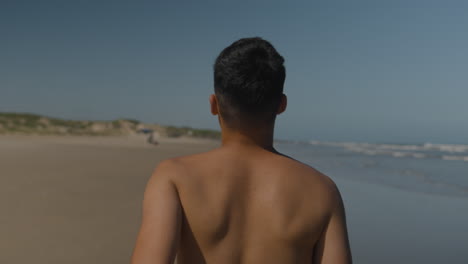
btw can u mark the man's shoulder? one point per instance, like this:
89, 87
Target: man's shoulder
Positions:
304, 169
188, 160
182, 164
311, 179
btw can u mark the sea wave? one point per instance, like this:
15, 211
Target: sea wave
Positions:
454, 157
419, 151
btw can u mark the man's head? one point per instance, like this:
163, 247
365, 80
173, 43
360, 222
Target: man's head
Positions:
248, 78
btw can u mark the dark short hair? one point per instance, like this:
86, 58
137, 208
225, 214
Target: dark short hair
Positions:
248, 79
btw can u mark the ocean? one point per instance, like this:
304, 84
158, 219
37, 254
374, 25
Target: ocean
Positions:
439, 169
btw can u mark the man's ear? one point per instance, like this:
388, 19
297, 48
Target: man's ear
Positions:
214, 104
283, 104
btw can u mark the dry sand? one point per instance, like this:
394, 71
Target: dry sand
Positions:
76, 199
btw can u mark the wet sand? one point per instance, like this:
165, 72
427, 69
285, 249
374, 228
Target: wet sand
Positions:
78, 200
389, 225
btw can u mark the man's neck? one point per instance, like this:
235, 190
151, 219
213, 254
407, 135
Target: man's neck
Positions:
260, 138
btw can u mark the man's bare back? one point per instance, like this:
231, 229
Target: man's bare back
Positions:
244, 204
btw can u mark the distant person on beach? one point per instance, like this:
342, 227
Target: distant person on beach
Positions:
243, 202
151, 139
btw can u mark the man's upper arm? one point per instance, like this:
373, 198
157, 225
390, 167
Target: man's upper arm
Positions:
158, 238
333, 245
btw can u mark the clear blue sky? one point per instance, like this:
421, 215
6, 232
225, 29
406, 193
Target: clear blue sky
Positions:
379, 71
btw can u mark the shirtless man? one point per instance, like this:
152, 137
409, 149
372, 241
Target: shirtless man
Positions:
243, 202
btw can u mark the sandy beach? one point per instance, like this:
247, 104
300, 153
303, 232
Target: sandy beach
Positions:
77, 200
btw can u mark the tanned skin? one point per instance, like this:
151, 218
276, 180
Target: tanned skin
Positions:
241, 203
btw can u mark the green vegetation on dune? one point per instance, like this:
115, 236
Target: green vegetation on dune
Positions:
23, 119
206, 133
172, 131
133, 121
26, 123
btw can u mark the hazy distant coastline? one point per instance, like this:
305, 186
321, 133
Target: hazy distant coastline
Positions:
12, 123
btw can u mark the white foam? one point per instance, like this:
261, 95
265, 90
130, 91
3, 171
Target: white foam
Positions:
452, 148
399, 151
455, 157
